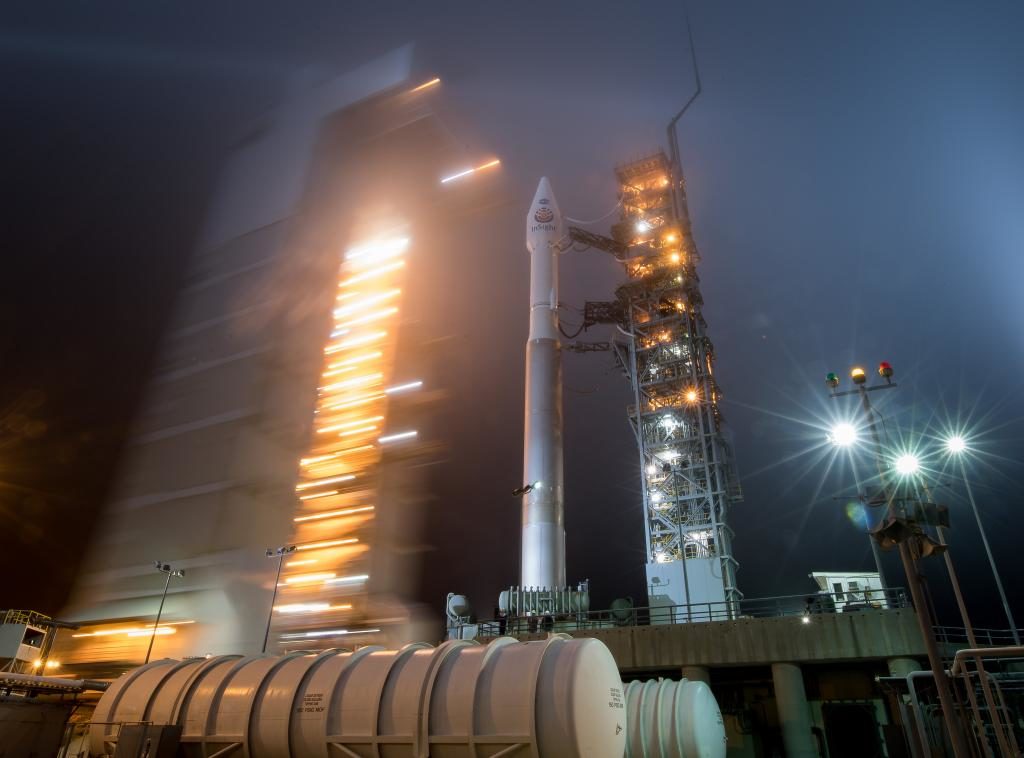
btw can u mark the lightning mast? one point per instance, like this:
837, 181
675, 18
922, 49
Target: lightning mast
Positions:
688, 480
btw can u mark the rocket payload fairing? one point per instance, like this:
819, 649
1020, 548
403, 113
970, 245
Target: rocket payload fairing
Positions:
543, 549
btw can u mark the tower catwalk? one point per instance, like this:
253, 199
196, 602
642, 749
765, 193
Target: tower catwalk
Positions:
687, 477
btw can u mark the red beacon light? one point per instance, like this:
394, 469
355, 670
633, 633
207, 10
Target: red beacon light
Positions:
885, 370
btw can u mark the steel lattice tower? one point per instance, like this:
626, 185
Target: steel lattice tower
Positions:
688, 480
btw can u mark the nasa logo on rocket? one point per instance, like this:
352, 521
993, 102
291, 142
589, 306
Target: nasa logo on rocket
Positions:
543, 219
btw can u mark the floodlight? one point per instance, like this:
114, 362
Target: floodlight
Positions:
843, 435
956, 444
907, 464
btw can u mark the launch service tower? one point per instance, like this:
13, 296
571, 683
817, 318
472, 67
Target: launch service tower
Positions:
688, 481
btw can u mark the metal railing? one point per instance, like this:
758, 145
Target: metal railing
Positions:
29, 618
986, 681
957, 635
734, 610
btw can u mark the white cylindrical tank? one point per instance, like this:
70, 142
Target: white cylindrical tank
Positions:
558, 697
670, 719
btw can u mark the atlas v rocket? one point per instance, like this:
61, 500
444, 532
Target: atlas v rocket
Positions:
543, 549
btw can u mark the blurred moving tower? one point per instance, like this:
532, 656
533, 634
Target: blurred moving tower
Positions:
688, 480
292, 377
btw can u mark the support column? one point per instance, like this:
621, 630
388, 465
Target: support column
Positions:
697, 674
794, 711
902, 667
901, 709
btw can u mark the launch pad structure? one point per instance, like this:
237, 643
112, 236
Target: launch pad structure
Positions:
688, 480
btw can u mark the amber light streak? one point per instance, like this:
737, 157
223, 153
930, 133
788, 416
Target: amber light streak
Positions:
345, 310
328, 543
356, 359
312, 607
336, 347
348, 425
358, 401
321, 459
339, 472
468, 171
335, 514
304, 578
136, 631
379, 250
375, 316
426, 85
323, 481
317, 495
373, 273
360, 430
365, 379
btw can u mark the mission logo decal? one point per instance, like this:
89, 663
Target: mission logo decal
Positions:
544, 216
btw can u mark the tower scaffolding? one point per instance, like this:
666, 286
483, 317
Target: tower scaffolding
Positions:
688, 479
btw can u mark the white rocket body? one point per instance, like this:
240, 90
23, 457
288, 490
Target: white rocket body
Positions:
543, 548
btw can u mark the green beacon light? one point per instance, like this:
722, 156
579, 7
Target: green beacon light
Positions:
832, 379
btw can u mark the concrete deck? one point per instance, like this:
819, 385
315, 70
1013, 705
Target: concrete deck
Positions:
829, 637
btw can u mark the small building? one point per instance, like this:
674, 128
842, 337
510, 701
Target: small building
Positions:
24, 640
850, 590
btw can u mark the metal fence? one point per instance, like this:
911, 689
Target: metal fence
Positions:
957, 635
29, 618
764, 607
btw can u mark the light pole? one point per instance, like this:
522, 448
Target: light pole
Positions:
166, 569
279, 553
845, 434
957, 446
909, 469
906, 464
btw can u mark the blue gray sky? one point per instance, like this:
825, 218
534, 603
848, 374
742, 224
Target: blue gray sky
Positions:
856, 179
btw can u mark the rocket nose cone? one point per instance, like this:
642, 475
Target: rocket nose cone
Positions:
545, 197
544, 219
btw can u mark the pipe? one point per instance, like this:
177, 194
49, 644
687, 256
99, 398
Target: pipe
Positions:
922, 734
29, 681
997, 722
1006, 651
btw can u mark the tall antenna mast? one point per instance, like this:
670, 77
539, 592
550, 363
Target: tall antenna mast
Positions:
675, 158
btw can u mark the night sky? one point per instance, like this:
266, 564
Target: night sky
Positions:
856, 181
